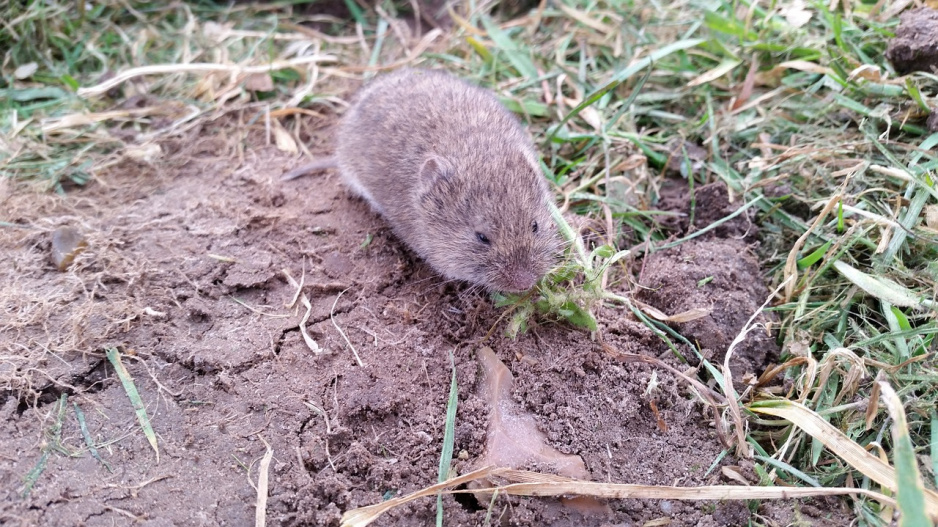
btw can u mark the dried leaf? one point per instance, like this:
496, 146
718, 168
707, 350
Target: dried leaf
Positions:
259, 82
805, 66
147, 152
535, 484
217, 32
735, 474
263, 476
882, 288
25, 71
715, 73
513, 438
838, 442
299, 295
796, 14
283, 139
586, 20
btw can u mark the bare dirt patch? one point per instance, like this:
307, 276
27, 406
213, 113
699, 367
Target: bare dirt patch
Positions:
183, 271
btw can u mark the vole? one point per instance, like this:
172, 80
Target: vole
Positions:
454, 174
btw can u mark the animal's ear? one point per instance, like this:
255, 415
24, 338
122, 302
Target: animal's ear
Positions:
435, 169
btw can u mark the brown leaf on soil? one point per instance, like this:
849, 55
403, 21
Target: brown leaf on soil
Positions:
745, 92
513, 439
735, 474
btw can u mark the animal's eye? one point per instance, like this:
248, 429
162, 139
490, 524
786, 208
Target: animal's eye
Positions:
483, 238
534, 226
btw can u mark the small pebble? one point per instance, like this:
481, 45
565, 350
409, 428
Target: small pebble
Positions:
67, 242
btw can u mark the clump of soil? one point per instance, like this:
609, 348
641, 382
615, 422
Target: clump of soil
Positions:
183, 271
696, 275
915, 46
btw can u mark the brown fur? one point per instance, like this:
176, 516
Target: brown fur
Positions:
443, 161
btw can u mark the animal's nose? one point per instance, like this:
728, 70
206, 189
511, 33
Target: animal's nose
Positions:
521, 279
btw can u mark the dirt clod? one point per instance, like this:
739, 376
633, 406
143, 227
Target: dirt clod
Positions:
722, 277
915, 46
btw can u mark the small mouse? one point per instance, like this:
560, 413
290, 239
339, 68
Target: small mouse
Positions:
454, 174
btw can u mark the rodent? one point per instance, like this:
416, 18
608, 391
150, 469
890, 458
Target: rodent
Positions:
454, 174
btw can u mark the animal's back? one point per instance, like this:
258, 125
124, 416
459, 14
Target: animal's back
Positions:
398, 119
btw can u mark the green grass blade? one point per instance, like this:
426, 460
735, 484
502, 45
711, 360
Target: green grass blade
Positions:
815, 256
515, 55
481, 50
488, 513
34, 474
449, 434
911, 492
127, 381
716, 462
785, 467
916, 95
379, 43
729, 26
87, 436
626, 74
892, 316
357, 14
526, 107
628, 102
914, 210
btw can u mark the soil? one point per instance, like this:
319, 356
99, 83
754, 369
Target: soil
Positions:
915, 46
716, 271
183, 273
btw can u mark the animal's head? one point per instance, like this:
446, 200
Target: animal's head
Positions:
490, 220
